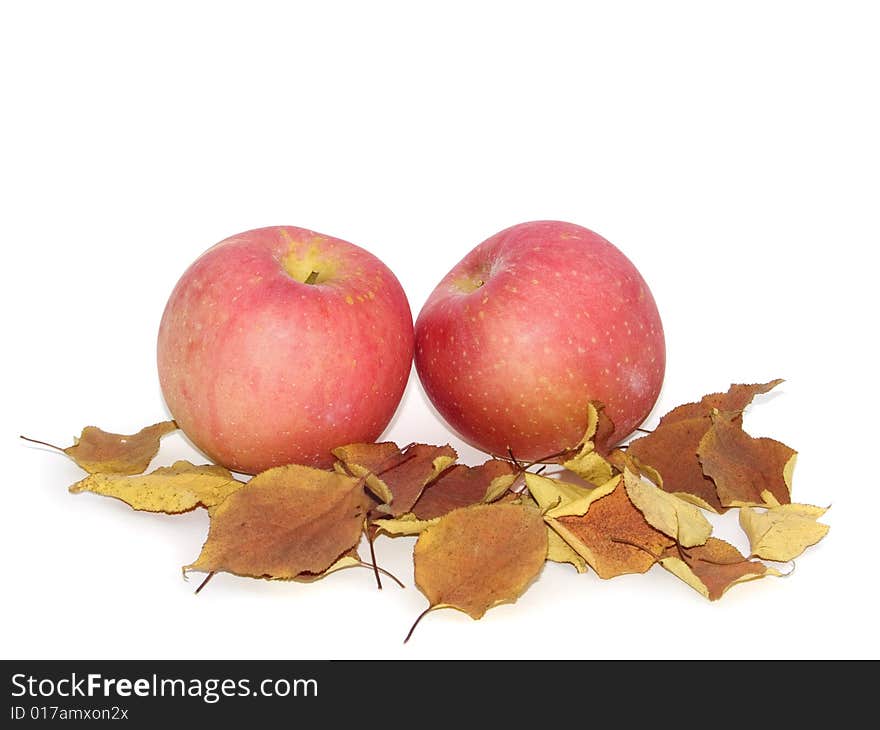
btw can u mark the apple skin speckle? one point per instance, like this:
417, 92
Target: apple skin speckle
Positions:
567, 319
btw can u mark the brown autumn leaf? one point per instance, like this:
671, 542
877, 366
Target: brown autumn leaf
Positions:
672, 448
462, 485
745, 470
476, 557
397, 476
596, 536
284, 522
712, 568
735, 400
98, 451
169, 489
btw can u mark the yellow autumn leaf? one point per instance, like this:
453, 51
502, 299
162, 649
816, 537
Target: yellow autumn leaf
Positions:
783, 532
674, 517
599, 428
169, 489
557, 498
695, 500
592, 423
590, 466
498, 487
406, 524
559, 551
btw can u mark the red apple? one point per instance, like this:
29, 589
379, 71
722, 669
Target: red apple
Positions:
529, 327
280, 344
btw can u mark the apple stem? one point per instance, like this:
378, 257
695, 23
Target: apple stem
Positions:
312, 278
643, 430
41, 443
205, 582
420, 617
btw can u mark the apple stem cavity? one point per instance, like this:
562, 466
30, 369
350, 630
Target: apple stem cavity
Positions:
312, 278
41, 443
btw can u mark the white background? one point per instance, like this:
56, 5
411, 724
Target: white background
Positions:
729, 149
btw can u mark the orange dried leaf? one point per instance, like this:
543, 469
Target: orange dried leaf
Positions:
460, 486
712, 568
745, 470
99, 451
476, 557
286, 521
601, 536
672, 448
170, 489
396, 476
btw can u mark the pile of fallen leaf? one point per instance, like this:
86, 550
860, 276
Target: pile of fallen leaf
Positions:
484, 532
